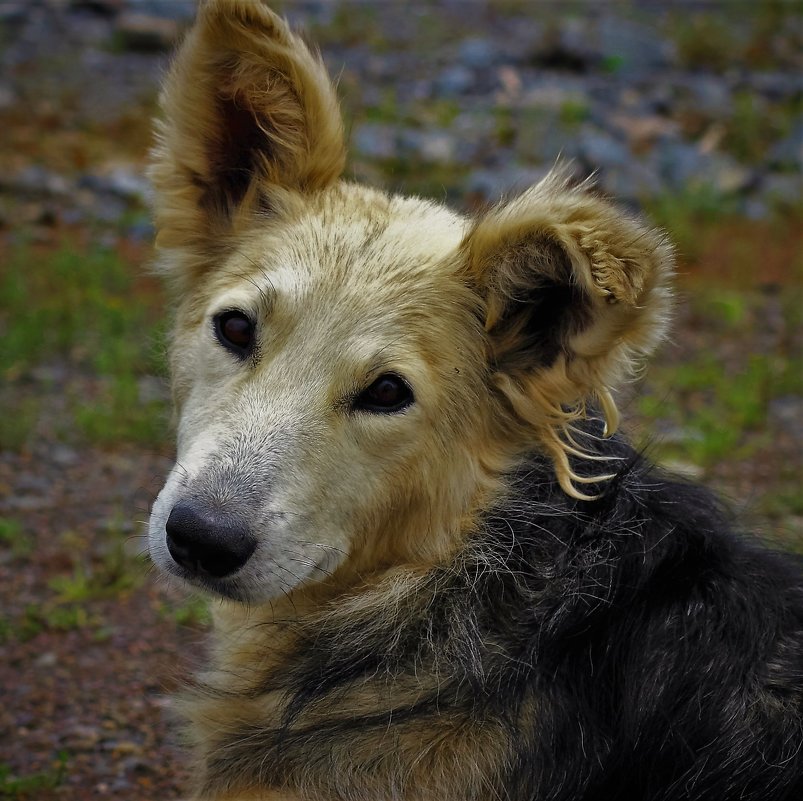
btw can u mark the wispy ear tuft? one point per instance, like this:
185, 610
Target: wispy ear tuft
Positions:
575, 291
246, 106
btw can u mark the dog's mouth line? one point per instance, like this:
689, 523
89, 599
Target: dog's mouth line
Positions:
219, 587
230, 587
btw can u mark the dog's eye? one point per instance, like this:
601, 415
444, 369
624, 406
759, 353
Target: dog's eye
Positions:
388, 394
235, 331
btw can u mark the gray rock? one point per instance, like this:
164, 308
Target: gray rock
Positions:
566, 43
785, 189
74, 216
475, 125
676, 161
180, 10
787, 412
63, 456
631, 47
108, 208
710, 96
510, 179
432, 144
755, 209
147, 32
29, 503
540, 137
658, 98
141, 230
121, 182
556, 92
600, 150
109, 7
49, 373
13, 12
681, 164
36, 180
408, 141
7, 97
632, 182
454, 81
118, 786
46, 660
151, 389
437, 146
374, 140
726, 174
788, 152
28, 482
478, 53
776, 85
474, 135
128, 184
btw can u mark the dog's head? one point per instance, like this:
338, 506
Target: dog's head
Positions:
352, 372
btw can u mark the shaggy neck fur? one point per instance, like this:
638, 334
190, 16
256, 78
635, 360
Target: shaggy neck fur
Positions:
453, 682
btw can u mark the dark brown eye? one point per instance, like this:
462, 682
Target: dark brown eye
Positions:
388, 394
235, 331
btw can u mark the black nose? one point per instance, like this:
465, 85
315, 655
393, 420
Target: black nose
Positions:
207, 542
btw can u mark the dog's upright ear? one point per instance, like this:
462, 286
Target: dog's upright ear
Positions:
246, 105
574, 290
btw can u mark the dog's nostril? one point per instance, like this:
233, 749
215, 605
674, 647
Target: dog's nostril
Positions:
206, 542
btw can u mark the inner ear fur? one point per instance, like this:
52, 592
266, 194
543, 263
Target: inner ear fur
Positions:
575, 291
247, 106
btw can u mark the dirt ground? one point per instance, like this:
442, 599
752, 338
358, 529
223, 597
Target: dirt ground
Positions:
85, 710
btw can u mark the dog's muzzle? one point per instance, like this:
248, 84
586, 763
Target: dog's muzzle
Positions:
207, 543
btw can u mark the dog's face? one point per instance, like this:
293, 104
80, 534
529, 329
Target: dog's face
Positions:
352, 371
325, 378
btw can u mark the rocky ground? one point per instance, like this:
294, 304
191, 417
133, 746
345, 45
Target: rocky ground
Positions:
690, 111
488, 94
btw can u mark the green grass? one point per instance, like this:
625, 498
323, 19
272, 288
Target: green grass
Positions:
755, 124
80, 308
23, 628
117, 414
107, 576
14, 537
17, 428
573, 112
54, 616
719, 404
707, 40
685, 212
105, 571
704, 41
193, 612
783, 503
414, 176
66, 302
12, 786
713, 409
351, 24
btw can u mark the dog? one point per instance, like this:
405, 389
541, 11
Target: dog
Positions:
442, 575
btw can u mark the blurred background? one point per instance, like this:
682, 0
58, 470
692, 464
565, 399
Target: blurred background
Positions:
688, 111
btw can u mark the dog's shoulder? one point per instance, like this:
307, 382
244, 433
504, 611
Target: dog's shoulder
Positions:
650, 616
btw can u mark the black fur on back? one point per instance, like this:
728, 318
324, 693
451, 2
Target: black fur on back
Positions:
632, 647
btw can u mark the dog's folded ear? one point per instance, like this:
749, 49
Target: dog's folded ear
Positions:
574, 290
246, 106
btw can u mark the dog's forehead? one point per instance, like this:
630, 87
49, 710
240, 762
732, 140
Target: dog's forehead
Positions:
352, 243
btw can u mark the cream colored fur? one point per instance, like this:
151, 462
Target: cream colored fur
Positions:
347, 283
